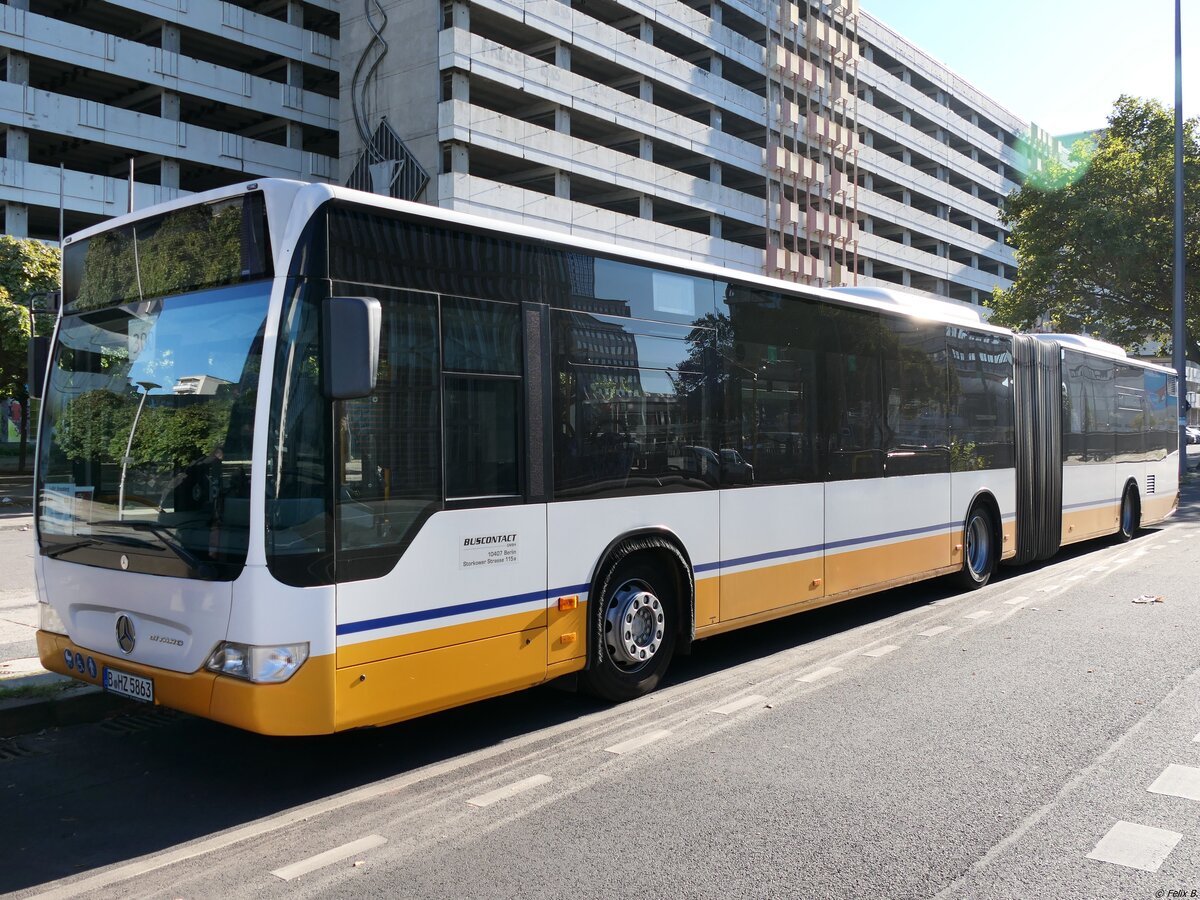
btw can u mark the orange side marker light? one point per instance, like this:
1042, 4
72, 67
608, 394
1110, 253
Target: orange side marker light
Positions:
568, 603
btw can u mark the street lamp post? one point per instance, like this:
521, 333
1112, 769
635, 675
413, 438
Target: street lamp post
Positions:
1180, 324
147, 387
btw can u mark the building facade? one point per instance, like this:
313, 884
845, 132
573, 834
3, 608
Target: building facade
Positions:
196, 93
805, 141
808, 141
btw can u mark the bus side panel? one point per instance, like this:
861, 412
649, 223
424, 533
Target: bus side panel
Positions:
1001, 484
1161, 501
469, 575
771, 548
1090, 505
579, 532
884, 529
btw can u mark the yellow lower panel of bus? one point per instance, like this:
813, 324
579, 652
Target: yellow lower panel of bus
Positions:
1155, 509
1081, 524
875, 565
436, 638
758, 590
390, 690
1009, 540
708, 601
301, 705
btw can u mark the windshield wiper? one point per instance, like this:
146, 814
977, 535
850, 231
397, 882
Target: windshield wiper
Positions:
67, 548
166, 539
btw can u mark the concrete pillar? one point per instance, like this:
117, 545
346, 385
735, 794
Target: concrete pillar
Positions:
562, 56
645, 207
906, 278
16, 215
646, 32
715, 65
715, 119
646, 90
295, 76
562, 120
714, 172
460, 86
16, 220
460, 161
714, 12
906, 238
562, 185
170, 38
168, 171
714, 226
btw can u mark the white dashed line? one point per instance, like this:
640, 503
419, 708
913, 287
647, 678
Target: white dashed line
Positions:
818, 674
635, 743
882, 651
1178, 781
1015, 600
509, 791
980, 614
1073, 578
1099, 568
936, 630
1048, 588
739, 704
1174, 541
329, 857
1135, 846
945, 601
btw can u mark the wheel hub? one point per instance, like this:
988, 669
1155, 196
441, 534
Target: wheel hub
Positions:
635, 624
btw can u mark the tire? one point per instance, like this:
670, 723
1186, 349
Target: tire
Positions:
1127, 525
638, 594
981, 548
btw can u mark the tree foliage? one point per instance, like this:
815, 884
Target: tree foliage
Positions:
26, 267
1095, 237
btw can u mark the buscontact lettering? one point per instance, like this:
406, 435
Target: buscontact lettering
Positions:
490, 539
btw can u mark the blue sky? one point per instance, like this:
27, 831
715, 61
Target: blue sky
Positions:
1058, 63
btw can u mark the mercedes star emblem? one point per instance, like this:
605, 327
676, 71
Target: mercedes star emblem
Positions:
125, 634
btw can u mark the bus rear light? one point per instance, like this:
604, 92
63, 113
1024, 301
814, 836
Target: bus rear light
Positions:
50, 620
262, 665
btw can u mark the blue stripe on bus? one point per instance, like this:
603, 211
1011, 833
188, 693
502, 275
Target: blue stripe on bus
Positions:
423, 615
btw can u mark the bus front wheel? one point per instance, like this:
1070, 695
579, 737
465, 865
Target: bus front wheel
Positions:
980, 548
635, 622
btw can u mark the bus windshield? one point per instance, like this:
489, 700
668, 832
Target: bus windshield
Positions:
147, 432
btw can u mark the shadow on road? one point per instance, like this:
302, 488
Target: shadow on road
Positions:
90, 796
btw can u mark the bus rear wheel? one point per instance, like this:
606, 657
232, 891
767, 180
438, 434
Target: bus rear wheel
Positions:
1129, 515
980, 548
635, 623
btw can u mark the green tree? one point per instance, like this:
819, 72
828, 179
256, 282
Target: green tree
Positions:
1094, 237
26, 267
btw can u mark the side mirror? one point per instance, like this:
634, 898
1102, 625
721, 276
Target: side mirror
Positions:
39, 356
350, 329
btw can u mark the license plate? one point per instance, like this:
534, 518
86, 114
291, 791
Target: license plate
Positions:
133, 686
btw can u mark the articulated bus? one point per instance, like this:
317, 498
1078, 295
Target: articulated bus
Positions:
311, 459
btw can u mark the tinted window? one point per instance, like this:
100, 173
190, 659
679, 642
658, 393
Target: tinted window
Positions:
764, 352
853, 393
914, 380
980, 400
609, 287
621, 426
1089, 408
373, 248
482, 444
1129, 414
389, 467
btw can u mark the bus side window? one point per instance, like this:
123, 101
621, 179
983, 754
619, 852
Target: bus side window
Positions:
854, 394
481, 381
388, 447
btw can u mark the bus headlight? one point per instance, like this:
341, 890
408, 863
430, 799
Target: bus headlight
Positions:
49, 619
263, 665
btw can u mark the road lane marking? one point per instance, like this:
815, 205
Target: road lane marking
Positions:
329, 857
1072, 578
739, 704
1015, 600
1178, 781
510, 790
980, 614
1135, 846
882, 651
638, 742
1048, 588
1174, 541
945, 601
818, 674
935, 630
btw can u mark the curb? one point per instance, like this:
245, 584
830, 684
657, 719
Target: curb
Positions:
74, 706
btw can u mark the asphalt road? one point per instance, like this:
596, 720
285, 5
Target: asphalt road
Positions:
917, 743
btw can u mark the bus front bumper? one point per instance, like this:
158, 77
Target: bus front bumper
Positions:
301, 705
